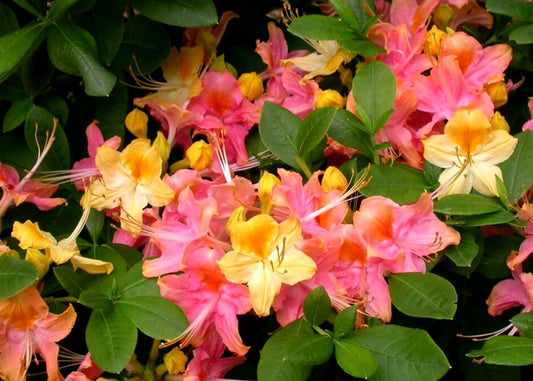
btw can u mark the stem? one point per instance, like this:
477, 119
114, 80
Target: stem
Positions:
301, 163
62, 299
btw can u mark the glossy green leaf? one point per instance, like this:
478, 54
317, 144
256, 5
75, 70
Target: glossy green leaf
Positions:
497, 248
73, 50
400, 183
309, 348
423, 295
516, 170
524, 323
39, 125
128, 253
179, 12
106, 24
313, 129
8, 20
364, 47
317, 306
402, 353
464, 253
15, 275
319, 27
374, 89
95, 299
37, 71
69, 280
60, 6
156, 317
16, 115
505, 350
111, 338
95, 223
466, 204
134, 284
523, 34
145, 46
519, 9
346, 13
495, 218
15, 46
279, 130
354, 359
271, 365
111, 112
35, 7
347, 129
345, 322
56, 106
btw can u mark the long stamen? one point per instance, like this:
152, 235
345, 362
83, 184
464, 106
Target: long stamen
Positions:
443, 187
220, 151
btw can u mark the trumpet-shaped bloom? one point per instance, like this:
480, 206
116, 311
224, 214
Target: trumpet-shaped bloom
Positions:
469, 150
27, 327
130, 179
265, 256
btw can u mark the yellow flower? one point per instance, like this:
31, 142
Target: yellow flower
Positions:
469, 151
264, 256
129, 179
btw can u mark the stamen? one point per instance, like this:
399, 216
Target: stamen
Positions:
220, 151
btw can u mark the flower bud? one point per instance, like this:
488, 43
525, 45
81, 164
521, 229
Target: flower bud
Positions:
329, 98
39, 260
199, 155
265, 186
137, 123
238, 215
334, 179
251, 85
443, 15
498, 122
175, 361
162, 146
498, 93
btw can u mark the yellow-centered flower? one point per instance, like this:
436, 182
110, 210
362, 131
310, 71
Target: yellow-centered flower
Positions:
469, 150
264, 256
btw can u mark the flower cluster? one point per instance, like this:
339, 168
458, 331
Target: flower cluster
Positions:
226, 229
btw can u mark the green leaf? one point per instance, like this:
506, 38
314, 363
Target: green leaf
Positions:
134, 284
271, 365
15, 275
95, 299
128, 253
36, 72
346, 13
39, 125
16, 114
73, 50
374, 89
495, 218
515, 8
144, 311
466, 205
147, 41
60, 6
523, 34
400, 183
497, 248
423, 295
8, 20
317, 306
345, 321
56, 106
319, 27
111, 112
111, 338
366, 48
95, 223
69, 279
106, 24
506, 350
309, 348
516, 170
35, 7
313, 129
179, 12
354, 359
524, 323
279, 130
402, 353
467, 250
15, 46
350, 132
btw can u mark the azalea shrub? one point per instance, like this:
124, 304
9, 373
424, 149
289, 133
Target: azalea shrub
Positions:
298, 190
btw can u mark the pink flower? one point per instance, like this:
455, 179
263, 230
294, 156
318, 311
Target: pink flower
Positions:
27, 327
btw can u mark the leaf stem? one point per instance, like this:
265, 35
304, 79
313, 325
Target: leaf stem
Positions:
303, 166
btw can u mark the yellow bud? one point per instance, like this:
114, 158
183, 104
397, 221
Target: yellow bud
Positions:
265, 186
162, 146
41, 261
442, 16
199, 155
175, 361
333, 179
329, 98
207, 40
434, 41
251, 85
498, 93
238, 215
498, 122
137, 123
346, 76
